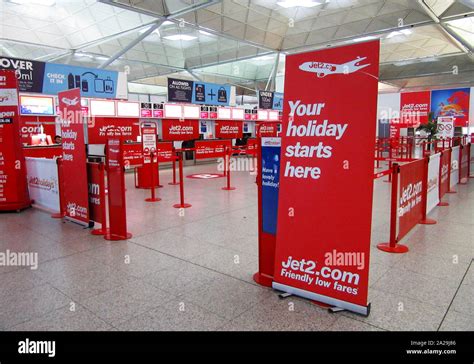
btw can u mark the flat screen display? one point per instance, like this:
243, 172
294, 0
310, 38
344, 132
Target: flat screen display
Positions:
36, 105
102, 108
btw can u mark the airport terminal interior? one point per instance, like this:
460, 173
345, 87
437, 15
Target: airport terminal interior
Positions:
160, 204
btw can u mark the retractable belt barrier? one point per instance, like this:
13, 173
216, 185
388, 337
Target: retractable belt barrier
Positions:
418, 187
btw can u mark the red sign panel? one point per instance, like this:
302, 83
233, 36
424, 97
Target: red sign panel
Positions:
95, 180
445, 163
267, 129
211, 148
132, 155
116, 190
164, 151
414, 108
74, 157
13, 185
180, 130
410, 196
325, 192
252, 146
97, 128
229, 129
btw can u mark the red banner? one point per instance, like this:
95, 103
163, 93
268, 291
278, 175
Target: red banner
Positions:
414, 108
229, 129
165, 151
74, 157
97, 128
13, 185
180, 130
211, 148
410, 196
325, 193
444, 173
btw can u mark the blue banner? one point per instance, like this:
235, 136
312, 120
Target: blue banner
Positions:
92, 82
277, 101
270, 172
51, 78
211, 94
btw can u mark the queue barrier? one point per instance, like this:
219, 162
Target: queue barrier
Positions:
418, 187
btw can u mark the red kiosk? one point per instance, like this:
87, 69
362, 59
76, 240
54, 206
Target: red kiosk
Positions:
13, 186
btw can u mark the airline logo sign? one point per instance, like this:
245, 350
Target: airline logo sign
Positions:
322, 69
325, 189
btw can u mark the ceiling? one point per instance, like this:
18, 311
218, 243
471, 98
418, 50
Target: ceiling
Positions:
424, 43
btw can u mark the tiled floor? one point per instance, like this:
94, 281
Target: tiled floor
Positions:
194, 272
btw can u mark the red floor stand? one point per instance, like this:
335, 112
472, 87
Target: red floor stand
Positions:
116, 186
61, 213
103, 225
228, 187
392, 246
174, 183
153, 198
181, 204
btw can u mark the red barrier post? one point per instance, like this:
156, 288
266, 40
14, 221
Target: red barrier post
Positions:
62, 212
153, 198
103, 223
227, 163
182, 204
174, 183
390, 163
392, 246
425, 220
441, 203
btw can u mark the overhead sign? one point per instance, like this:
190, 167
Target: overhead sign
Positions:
51, 78
445, 127
76, 195
270, 100
325, 192
180, 90
197, 92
